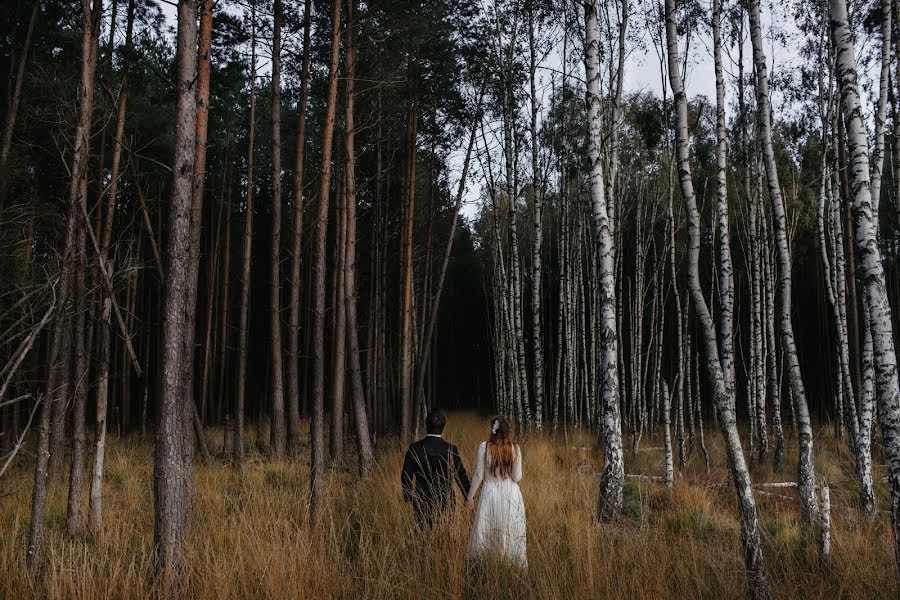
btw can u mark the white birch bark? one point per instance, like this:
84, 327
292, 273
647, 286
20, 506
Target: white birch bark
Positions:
875, 293
612, 479
726, 272
667, 434
537, 184
806, 475
750, 535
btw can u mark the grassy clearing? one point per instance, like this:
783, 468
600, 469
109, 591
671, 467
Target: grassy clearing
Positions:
251, 537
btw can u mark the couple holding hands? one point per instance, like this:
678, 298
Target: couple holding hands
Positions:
432, 464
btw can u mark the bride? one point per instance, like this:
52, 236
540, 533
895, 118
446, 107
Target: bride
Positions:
499, 523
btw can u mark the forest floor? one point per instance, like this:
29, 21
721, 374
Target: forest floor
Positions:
251, 537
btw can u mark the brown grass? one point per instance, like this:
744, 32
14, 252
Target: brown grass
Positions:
251, 538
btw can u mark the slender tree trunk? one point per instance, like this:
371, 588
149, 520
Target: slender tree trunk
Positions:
171, 470
55, 397
105, 353
750, 534
339, 328
279, 439
875, 294
667, 433
612, 480
243, 333
224, 310
13, 108
537, 184
192, 425
806, 473
364, 444
726, 272
774, 378
866, 413
406, 366
293, 367
317, 456
96, 498
76, 473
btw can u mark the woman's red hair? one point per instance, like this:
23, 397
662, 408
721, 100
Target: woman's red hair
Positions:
503, 453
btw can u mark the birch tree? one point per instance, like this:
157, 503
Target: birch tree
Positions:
875, 295
613, 476
806, 472
750, 534
538, 232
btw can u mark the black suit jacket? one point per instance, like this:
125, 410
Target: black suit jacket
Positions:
428, 468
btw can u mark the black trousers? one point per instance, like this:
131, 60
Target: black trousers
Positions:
430, 512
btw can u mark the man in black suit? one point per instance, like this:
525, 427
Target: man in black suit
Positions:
428, 468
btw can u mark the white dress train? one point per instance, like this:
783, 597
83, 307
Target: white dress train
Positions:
499, 524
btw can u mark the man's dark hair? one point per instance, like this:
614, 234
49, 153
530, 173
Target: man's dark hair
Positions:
434, 422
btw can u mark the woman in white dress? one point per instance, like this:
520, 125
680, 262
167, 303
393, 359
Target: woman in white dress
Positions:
499, 524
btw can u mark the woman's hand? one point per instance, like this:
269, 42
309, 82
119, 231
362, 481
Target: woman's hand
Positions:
470, 504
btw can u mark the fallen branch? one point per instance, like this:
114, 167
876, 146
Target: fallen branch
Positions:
776, 484
774, 495
648, 477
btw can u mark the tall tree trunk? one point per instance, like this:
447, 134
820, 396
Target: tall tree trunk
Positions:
197, 189
339, 329
317, 456
750, 534
666, 398
612, 480
364, 444
243, 333
406, 415
96, 497
80, 365
806, 473
537, 184
875, 294
105, 353
13, 108
57, 379
279, 439
224, 309
171, 470
293, 367
726, 272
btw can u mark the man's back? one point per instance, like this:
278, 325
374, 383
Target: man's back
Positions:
428, 468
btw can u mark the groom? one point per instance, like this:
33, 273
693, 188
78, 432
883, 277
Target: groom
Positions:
428, 467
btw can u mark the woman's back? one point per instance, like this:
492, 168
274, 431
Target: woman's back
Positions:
485, 460
499, 523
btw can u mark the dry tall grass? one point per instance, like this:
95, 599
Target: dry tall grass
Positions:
251, 537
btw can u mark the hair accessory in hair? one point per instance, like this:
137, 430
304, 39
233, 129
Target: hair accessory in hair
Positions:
495, 426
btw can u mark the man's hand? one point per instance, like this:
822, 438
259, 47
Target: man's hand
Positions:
470, 504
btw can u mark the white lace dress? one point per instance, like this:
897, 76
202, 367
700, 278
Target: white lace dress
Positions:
499, 524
